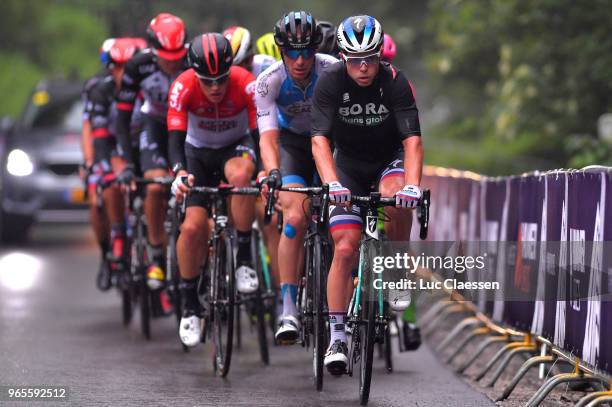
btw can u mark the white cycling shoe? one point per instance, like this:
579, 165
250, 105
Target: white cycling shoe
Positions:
288, 330
399, 300
336, 358
246, 280
190, 330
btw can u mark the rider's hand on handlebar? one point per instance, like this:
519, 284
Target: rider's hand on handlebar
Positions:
272, 180
408, 197
181, 184
339, 194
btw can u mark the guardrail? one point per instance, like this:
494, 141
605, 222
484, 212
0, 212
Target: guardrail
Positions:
556, 305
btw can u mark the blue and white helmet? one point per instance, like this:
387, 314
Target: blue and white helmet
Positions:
359, 34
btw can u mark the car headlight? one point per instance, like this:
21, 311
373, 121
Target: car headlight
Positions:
19, 164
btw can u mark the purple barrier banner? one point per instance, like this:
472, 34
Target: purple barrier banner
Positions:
544, 236
525, 274
550, 281
605, 350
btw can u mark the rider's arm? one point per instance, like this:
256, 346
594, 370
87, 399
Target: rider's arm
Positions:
99, 120
407, 120
323, 111
177, 121
249, 83
413, 160
86, 143
126, 98
268, 145
322, 153
266, 93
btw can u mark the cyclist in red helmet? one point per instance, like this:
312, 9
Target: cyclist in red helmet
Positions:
99, 144
389, 50
211, 111
151, 73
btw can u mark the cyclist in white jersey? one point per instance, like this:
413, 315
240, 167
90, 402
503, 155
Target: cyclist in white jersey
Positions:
283, 98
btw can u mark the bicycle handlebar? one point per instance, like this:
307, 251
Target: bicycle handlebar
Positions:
225, 190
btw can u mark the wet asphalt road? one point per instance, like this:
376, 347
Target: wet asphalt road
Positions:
57, 329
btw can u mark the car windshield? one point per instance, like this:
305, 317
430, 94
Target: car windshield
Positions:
65, 113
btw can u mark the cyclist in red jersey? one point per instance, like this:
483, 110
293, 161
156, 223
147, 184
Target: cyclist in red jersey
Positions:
211, 118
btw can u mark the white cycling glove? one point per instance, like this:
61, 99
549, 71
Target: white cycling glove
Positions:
408, 197
338, 194
180, 185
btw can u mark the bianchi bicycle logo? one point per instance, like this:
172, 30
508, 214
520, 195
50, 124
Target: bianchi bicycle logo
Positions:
370, 115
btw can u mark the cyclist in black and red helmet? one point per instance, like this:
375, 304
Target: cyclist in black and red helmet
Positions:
211, 118
151, 72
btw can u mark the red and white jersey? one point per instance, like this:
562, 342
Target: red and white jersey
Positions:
207, 124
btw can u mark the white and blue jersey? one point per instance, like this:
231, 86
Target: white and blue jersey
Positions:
281, 104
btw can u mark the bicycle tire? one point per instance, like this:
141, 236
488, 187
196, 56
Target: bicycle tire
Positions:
126, 306
367, 350
319, 332
145, 308
388, 349
368, 335
173, 288
260, 308
223, 278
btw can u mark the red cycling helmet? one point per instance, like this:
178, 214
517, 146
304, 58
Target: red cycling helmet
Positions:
139, 43
117, 51
167, 36
389, 50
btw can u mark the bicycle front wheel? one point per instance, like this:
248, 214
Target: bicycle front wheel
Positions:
223, 283
367, 329
367, 349
259, 305
319, 287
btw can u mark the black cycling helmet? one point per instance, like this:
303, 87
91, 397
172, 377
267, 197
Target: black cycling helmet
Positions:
297, 29
328, 44
210, 55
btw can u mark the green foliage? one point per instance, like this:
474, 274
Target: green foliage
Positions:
542, 69
17, 78
70, 37
43, 39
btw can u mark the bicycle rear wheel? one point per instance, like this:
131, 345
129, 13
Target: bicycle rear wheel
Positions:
223, 280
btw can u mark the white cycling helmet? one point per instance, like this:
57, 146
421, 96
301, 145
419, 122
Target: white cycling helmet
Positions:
360, 34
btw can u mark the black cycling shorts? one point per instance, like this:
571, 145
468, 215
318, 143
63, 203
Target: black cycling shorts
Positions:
208, 164
360, 178
297, 165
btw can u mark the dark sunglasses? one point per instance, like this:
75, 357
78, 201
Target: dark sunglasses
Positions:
209, 82
355, 62
295, 53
